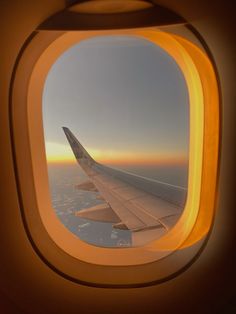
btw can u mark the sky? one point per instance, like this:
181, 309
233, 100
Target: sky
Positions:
123, 97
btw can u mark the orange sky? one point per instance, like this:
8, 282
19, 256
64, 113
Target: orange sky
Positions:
59, 153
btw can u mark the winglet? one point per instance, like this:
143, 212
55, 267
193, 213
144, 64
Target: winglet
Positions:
81, 155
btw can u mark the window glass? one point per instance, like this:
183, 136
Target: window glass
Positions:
126, 102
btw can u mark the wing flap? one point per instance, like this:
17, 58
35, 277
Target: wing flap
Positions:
87, 186
101, 212
127, 217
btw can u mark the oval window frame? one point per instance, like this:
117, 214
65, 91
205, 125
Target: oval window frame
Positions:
45, 234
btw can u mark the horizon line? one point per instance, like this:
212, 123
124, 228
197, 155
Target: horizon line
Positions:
171, 161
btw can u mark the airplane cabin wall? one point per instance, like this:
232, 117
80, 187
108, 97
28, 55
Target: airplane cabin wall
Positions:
27, 284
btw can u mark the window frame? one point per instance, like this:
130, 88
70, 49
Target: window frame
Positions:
93, 264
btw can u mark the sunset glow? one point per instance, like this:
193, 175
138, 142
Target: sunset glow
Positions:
60, 153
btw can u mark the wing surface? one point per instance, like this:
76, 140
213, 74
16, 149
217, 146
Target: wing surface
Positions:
148, 208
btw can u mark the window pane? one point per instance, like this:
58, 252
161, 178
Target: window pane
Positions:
126, 102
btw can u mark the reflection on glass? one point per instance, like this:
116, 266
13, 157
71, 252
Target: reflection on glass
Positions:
124, 104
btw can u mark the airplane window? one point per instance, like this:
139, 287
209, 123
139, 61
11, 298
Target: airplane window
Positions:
116, 126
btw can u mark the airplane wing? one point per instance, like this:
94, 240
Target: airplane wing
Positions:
146, 207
